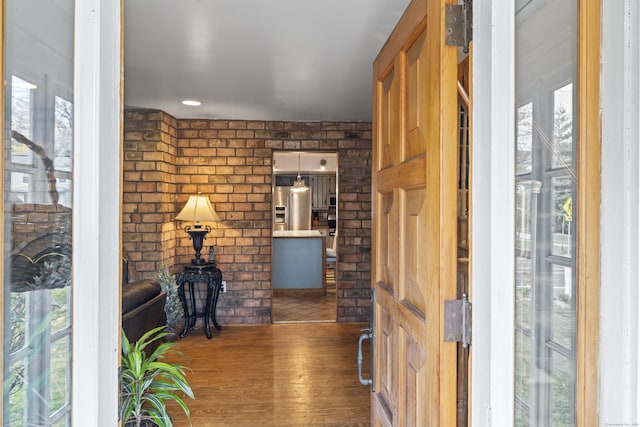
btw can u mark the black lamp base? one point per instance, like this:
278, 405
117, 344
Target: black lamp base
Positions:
197, 235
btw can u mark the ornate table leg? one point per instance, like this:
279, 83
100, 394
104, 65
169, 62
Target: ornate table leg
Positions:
194, 308
216, 291
207, 307
185, 309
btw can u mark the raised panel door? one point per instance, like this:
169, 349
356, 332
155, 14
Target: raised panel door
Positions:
414, 231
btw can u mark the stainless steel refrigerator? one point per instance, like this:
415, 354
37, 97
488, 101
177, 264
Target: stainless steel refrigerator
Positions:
292, 208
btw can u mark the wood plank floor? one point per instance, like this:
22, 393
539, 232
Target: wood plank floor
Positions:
275, 375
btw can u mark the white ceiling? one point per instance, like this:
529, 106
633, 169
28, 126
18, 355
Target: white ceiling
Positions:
297, 60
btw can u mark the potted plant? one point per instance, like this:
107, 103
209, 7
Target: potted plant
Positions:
147, 382
173, 305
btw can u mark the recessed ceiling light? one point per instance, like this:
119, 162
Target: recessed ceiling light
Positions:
191, 103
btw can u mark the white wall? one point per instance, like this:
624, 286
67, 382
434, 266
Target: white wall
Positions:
619, 322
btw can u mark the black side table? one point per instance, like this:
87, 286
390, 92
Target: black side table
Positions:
194, 273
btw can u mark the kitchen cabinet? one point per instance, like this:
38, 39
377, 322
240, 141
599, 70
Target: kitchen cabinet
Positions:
321, 187
298, 262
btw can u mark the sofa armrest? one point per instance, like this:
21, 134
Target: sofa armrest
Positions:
137, 293
142, 308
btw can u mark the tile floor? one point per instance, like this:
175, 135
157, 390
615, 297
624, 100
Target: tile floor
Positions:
307, 309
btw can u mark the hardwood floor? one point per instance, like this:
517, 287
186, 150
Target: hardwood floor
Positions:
275, 375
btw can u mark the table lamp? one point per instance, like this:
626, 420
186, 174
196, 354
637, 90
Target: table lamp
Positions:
198, 209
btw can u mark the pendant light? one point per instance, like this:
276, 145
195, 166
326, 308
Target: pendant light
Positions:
299, 184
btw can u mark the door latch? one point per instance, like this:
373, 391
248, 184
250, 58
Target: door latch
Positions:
457, 321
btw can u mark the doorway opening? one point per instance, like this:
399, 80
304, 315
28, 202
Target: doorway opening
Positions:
305, 237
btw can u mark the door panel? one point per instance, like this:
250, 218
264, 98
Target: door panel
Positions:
389, 122
413, 255
414, 248
416, 384
387, 264
416, 140
385, 365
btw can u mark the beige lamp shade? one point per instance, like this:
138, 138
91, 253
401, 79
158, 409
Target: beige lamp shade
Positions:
198, 209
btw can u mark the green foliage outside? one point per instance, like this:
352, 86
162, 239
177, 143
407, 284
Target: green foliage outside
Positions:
19, 386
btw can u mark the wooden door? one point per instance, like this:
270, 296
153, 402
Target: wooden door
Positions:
414, 231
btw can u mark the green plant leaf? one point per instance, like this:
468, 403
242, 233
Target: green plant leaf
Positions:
147, 382
178, 400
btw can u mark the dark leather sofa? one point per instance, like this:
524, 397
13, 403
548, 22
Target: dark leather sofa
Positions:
142, 305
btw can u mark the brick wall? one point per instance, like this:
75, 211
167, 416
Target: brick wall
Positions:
149, 206
354, 239
231, 161
224, 160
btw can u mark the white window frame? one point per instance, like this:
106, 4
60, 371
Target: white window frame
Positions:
619, 346
492, 217
620, 215
96, 219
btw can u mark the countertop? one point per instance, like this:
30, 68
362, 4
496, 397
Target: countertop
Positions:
298, 233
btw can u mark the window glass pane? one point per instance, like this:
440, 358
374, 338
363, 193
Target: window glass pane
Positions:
38, 167
18, 321
21, 94
60, 372
61, 304
522, 417
63, 134
523, 292
15, 392
562, 396
20, 187
526, 216
562, 216
563, 127
523, 361
64, 421
545, 180
524, 138
563, 314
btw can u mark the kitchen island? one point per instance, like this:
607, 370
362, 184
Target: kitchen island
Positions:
298, 262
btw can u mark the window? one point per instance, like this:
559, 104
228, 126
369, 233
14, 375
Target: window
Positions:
37, 286
545, 178
63, 149
21, 112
